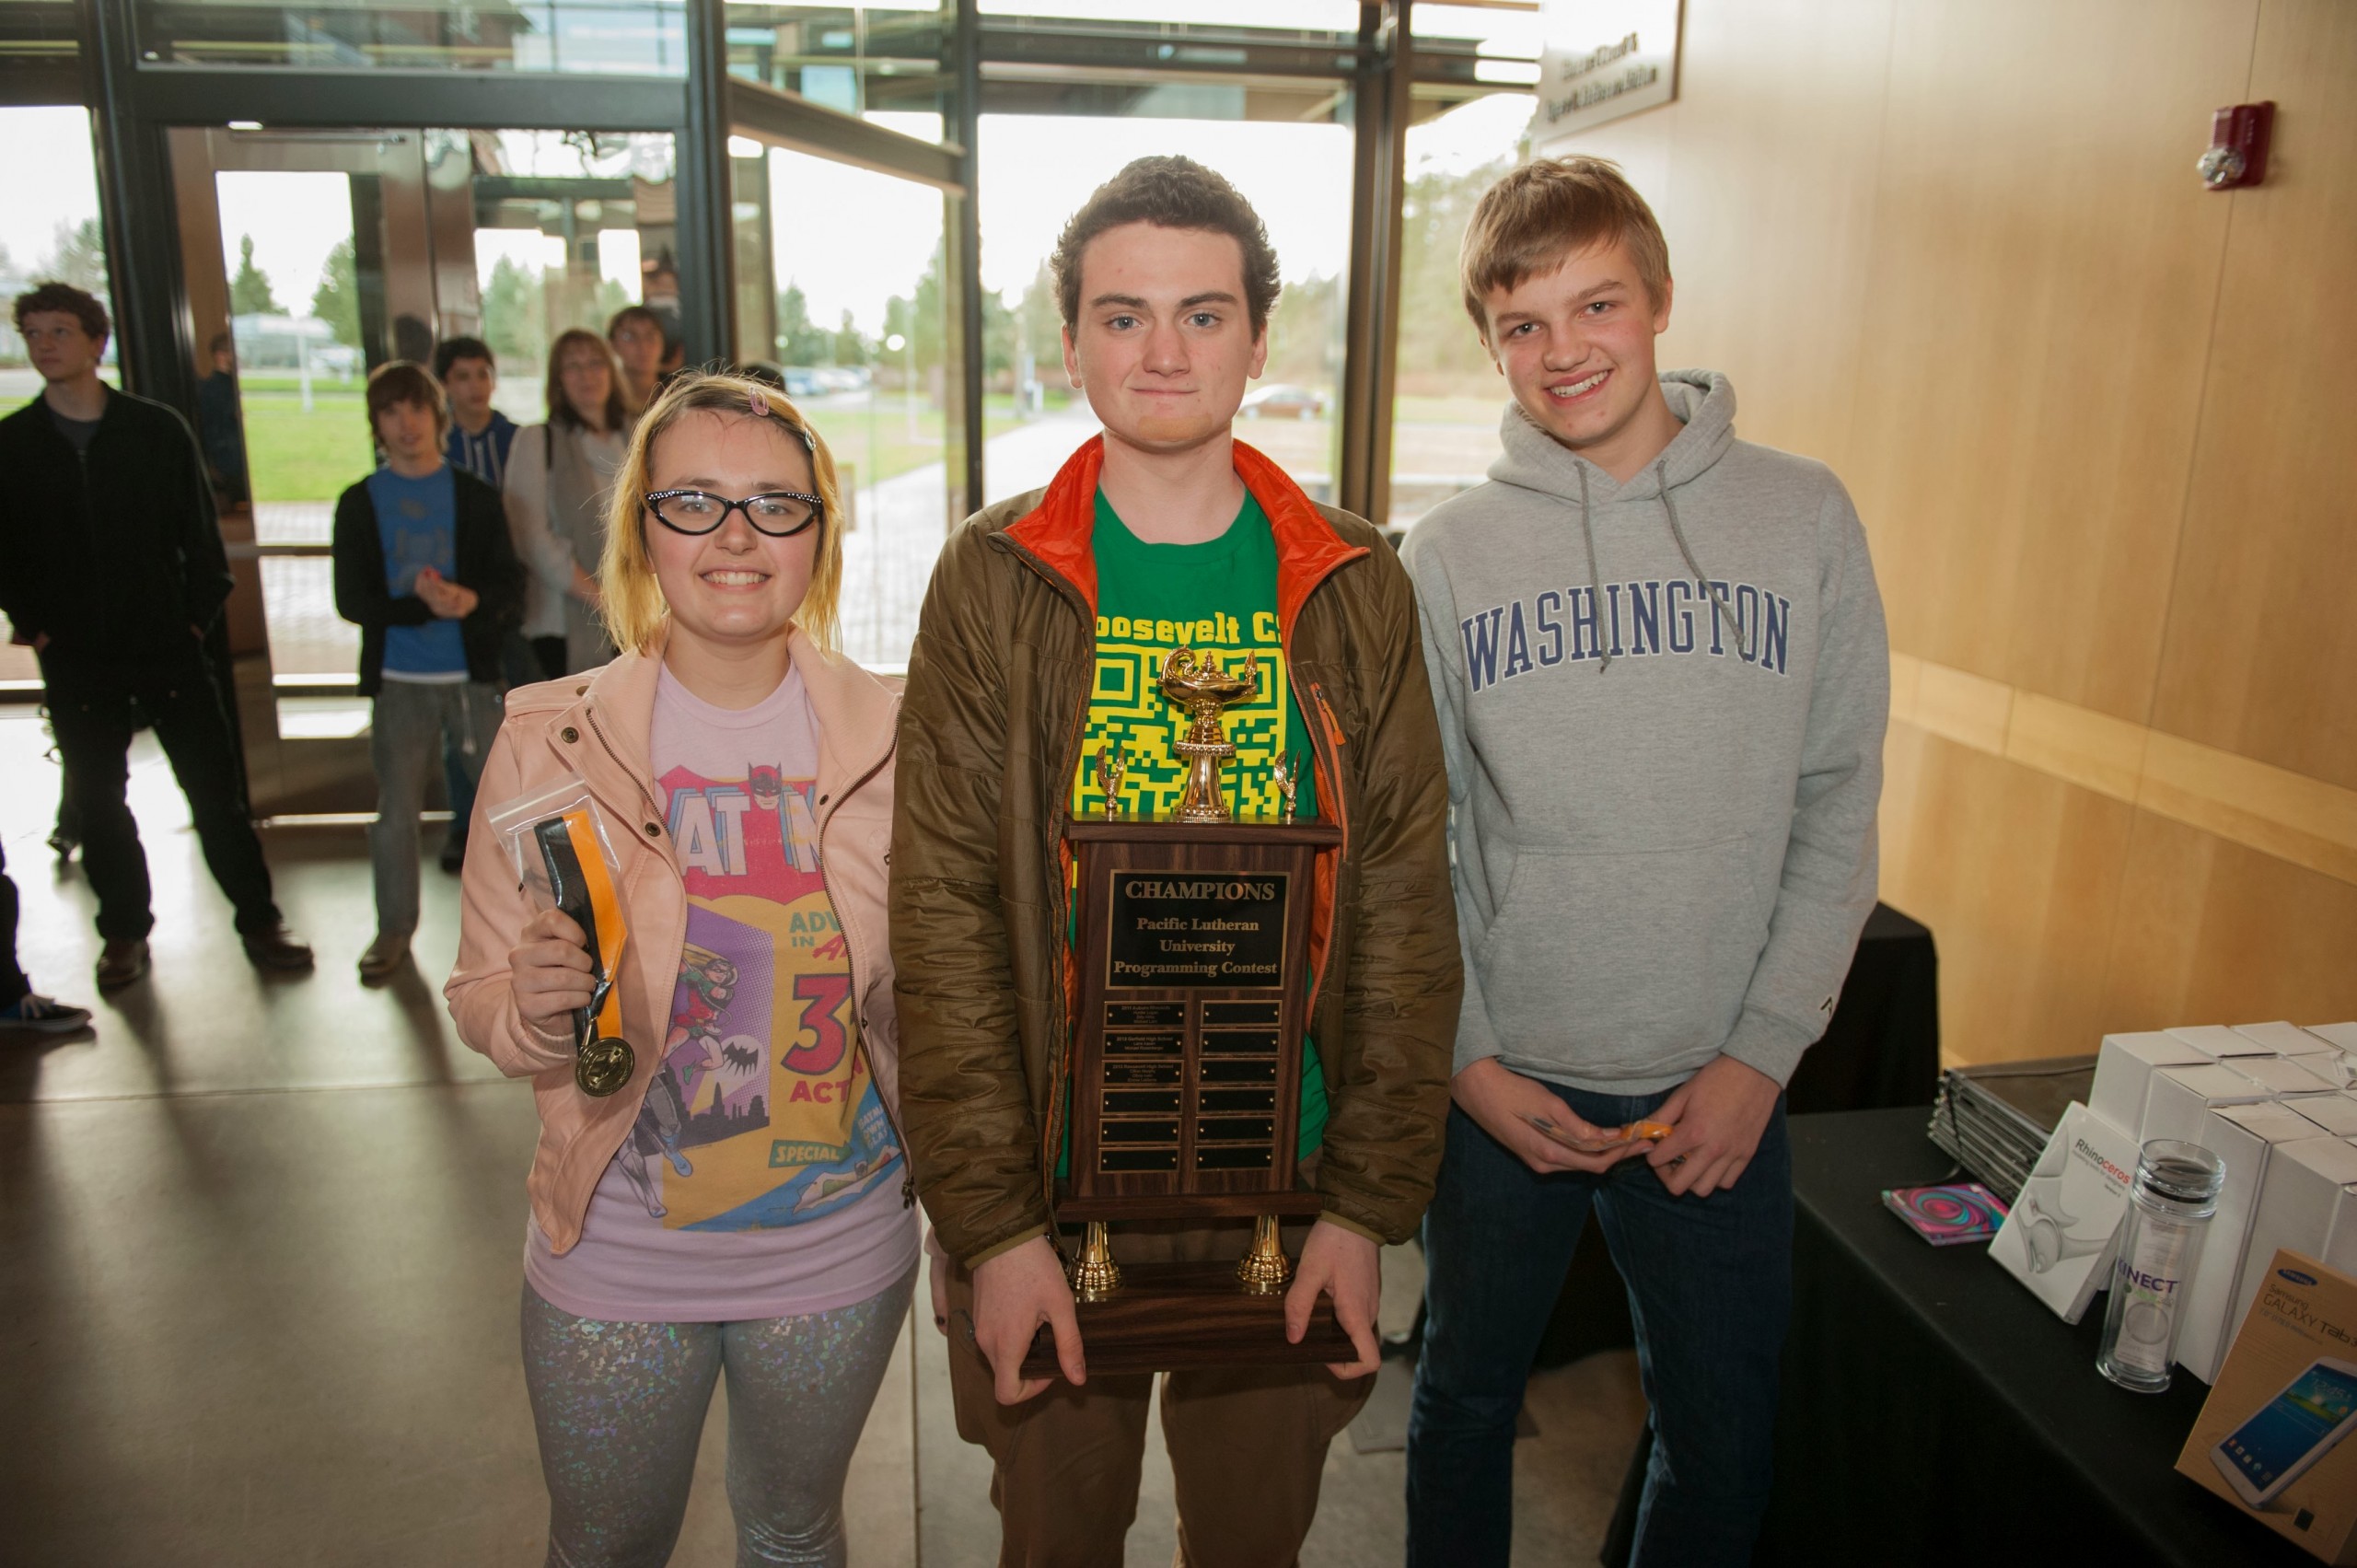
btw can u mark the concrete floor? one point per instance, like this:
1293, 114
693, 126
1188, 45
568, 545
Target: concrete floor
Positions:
260, 1267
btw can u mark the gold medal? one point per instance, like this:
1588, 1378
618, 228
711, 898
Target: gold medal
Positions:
602, 1060
602, 1065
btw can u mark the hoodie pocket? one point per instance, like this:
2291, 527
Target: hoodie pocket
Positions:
1631, 961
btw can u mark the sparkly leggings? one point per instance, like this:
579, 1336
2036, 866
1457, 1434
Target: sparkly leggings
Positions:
621, 1407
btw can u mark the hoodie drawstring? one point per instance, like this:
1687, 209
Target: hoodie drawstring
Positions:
1709, 589
1596, 578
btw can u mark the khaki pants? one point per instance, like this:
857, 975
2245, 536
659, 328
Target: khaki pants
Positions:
1247, 1445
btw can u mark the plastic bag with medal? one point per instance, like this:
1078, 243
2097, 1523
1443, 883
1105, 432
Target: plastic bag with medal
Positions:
564, 859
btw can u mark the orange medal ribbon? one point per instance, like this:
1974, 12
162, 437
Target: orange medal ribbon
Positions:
602, 1059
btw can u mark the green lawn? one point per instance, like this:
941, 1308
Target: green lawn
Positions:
298, 456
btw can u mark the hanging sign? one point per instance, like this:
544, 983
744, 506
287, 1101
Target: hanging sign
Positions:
1602, 59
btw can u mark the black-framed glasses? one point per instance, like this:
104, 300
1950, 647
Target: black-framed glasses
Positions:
780, 514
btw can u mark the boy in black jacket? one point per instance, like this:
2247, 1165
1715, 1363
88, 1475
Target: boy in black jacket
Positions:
423, 567
111, 568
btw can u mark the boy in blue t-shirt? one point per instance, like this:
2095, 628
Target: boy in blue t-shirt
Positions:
423, 567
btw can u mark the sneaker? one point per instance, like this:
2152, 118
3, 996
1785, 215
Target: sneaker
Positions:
454, 853
40, 1014
120, 963
385, 954
276, 949
63, 845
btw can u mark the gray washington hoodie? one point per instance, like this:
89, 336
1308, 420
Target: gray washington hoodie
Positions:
1663, 705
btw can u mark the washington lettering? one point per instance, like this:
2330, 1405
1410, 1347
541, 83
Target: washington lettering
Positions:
1561, 626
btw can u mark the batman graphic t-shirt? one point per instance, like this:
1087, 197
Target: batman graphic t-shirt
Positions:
761, 1177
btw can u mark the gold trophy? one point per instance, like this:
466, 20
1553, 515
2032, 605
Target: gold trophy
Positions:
1203, 691
1193, 962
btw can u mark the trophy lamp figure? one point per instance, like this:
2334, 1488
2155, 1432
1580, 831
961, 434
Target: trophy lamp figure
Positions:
1203, 690
1286, 772
1111, 762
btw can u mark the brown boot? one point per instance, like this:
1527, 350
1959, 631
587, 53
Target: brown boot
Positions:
122, 962
276, 949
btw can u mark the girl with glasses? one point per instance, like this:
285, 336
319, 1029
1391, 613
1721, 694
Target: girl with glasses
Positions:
740, 1204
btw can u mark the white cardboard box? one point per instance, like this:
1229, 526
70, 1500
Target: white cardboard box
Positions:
2282, 1038
2219, 1043
2337, 1114
2243, 1137
2341, 1037
2337, 1068
2124, 1069
2283, 1075
2057, 1238
2309, 1205
2181, 1100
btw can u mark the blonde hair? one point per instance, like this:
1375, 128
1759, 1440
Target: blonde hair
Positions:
631, 602
1544, 212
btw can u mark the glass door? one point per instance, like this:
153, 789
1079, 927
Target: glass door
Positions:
312, 257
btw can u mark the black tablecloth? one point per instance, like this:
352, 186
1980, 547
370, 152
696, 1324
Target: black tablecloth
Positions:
1934, 1411
1881, 1049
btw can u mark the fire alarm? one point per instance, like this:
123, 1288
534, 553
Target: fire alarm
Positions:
2238, 138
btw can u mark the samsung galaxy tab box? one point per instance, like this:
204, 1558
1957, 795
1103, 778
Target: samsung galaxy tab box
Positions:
2124, 1068
2272, 1438
2057, 1238
2243, 1137
2342, 1037
2282, 1039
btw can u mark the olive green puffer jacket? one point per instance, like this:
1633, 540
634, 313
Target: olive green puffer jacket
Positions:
997, 696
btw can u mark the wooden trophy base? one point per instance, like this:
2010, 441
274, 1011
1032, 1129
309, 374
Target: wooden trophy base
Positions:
1169, 1317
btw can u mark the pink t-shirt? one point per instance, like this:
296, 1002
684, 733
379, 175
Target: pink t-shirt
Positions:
762, 1178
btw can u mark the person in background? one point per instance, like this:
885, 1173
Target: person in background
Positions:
480, 436
640, 344
111, 566
740, 1205
480, 439
219, 429
558, 476
423, 568
1660, 665
24, 1010
1043, 609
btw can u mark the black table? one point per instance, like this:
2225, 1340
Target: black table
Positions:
1934, 1411
1881, 1048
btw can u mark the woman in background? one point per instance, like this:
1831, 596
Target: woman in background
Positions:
559, 474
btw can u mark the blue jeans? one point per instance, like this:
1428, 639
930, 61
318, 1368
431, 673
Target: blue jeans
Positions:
1709, 1287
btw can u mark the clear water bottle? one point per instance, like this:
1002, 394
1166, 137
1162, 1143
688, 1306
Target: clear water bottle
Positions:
2160, 1244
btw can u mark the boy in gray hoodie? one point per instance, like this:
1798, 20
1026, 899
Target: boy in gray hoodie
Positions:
1659, 660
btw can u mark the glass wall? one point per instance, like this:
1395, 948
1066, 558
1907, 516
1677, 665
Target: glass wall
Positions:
637, 38
860, 341
1447, 396
49, 232
1036, 169
880, 61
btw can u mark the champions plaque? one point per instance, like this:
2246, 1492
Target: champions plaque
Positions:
1186, 1057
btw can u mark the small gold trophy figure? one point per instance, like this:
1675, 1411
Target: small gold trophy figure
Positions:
1286, 771
1111, 762
1203, 690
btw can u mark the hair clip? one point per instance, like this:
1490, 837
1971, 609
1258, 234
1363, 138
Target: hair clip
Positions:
758, 402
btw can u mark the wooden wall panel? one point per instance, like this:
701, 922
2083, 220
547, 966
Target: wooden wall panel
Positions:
2211, 932
2261, 653
1770, 212
2037, 309
2018, 876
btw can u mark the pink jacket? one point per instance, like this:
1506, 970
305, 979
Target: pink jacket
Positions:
595, 726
